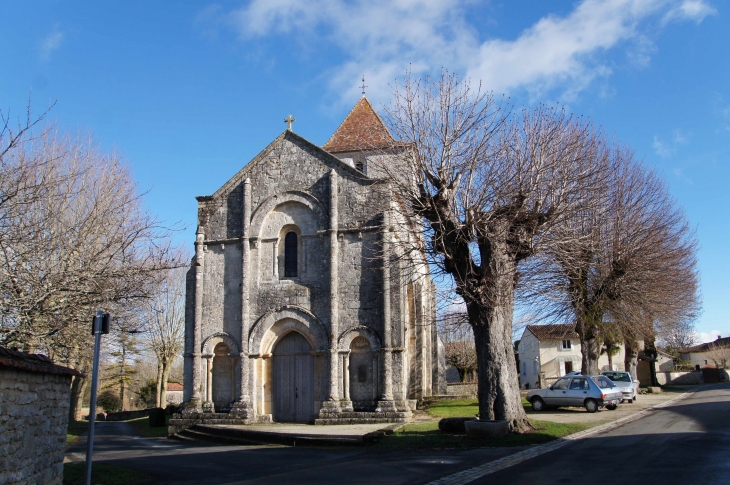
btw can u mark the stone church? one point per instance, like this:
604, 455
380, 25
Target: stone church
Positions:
300, 306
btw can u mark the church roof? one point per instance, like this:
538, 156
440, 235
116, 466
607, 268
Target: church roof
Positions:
361, 130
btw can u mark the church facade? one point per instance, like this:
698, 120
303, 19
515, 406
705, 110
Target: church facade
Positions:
299, 306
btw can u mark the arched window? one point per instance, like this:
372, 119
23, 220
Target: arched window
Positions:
290, 254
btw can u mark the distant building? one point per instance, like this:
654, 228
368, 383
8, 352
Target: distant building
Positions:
553, 351
702, 355
174, 393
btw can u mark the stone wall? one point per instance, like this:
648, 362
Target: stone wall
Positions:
34, 407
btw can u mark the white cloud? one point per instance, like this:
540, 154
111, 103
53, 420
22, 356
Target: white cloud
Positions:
661, 148
694, 10
710, 336
382, 38
50, 43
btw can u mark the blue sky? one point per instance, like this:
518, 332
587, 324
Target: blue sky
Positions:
189, 92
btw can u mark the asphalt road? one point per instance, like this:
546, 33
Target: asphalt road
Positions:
686, 443
173, 463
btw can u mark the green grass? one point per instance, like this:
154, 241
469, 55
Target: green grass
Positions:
76, 429
142, 426
459, 408
422, 436
75, 474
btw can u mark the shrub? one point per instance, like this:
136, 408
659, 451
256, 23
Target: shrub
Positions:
109, 401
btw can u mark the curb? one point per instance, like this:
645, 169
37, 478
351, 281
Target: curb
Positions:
472, 474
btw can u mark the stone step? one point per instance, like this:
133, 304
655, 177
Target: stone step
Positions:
201, 434
366, 415
242, 435
334, 421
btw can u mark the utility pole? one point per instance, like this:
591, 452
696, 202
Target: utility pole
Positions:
99, 325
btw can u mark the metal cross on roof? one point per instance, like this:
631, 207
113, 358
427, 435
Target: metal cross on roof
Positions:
289, 119
363, 86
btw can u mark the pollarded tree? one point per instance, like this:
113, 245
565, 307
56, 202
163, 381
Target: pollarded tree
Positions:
487, 186
628, 262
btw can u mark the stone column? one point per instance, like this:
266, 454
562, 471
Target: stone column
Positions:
332, 405
195, 402
208, 404
346, 403
386, 403
242, 408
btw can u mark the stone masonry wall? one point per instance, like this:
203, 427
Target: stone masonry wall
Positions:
33, 422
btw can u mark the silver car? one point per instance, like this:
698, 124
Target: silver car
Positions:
629, 386
592, 393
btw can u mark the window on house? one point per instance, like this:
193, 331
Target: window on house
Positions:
566, 345
290, 255
360, 166
534, 367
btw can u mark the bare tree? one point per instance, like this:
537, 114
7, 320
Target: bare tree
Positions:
487, 186
458, 340
628, 261
73, 238
719, 354
165, 321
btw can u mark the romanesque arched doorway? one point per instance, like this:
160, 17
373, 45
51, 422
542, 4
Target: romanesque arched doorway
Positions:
293, 364
222, 376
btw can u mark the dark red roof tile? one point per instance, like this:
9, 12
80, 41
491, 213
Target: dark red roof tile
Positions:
362, 129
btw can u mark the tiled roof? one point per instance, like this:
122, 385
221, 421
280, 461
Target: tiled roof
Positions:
174, 386
556, 331
362, 130
33, 363
720, 342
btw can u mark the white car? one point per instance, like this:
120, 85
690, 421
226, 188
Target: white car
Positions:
629, 386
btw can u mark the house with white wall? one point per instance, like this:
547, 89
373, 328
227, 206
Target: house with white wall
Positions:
715, 353
552, 351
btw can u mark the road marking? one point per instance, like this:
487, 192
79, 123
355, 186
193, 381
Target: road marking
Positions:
471, 474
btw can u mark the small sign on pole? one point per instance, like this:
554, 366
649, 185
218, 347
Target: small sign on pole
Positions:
99, 325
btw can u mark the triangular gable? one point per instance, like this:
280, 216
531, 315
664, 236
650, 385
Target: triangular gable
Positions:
325, 156
362, 129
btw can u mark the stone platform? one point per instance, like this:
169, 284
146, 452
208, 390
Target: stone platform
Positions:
360, 417
285, 434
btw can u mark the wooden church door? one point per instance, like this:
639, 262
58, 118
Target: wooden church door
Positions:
293, 379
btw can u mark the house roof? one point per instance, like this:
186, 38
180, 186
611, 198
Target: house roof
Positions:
555, 331
33, 363
721, 342
362, 129
174, 386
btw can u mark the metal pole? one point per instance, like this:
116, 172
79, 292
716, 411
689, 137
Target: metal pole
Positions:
92, 404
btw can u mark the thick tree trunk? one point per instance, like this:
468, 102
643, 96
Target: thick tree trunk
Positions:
498, 384
78, 388
650, 351
163, 388
590, 346
158, 388
631, 356
591, 351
